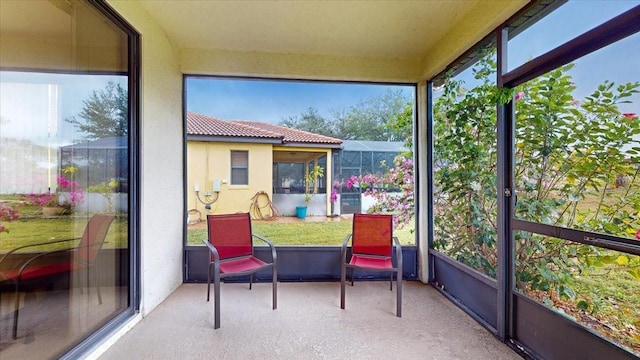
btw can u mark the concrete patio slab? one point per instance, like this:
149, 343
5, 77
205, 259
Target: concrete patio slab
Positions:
309, 324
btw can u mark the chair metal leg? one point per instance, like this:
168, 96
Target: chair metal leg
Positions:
208, 282
15, 313
351, 270
391, 281
399, 294
250, 281
216, 300
343, 280
274, 274
95, 281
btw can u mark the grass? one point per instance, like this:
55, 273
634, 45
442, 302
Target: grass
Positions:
330, 233
32, 229
611, 295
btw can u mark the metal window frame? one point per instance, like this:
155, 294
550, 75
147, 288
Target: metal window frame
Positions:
134, 57
508, 325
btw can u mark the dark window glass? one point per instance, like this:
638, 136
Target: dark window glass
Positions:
239, 168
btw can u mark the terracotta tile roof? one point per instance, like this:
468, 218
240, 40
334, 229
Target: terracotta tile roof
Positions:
198, 124
292, 135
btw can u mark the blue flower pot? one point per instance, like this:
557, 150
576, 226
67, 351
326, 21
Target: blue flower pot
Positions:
301, 212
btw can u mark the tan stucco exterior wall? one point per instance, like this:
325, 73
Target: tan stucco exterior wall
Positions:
208, 161
161, 205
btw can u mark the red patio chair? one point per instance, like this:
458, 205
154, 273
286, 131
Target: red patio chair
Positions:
230, 244
40, 270
372, 247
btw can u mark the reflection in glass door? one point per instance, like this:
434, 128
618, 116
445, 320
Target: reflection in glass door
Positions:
64, 178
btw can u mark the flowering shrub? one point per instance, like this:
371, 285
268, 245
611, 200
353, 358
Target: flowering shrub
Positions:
41, 199
399, 201
334, 191
68, 194
7, 213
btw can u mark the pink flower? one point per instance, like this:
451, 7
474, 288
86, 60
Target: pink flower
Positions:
63, 181
629, 115
334, 195
638, 234
7, 213
575, 102
350, 182
519, 95
39, 199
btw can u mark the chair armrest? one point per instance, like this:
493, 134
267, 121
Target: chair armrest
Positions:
274, 256
213, 250
343, 253
398, 252
37, 244
33, 258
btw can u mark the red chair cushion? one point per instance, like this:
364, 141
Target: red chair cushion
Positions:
39, 271
371, 262
239, 265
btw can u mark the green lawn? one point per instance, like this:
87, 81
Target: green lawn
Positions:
34, 230
303, 233
612, 294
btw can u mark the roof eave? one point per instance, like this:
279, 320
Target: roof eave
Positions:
239, 139
312, 145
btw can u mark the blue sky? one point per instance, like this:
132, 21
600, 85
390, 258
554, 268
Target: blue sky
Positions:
273, 101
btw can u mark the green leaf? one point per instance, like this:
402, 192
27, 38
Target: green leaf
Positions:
582, 305
635, 273
622, 260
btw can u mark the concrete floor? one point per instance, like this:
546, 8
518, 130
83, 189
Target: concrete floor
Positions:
309, 324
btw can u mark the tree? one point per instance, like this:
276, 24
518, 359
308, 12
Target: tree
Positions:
104, 113
310, 121
402, 124
388, 117
369, 119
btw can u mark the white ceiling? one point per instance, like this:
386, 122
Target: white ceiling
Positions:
380, 29
389, 30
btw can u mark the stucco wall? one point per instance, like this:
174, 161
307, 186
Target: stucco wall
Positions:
212, 160
161, 143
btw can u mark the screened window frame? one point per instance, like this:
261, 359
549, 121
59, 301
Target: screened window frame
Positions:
605, 34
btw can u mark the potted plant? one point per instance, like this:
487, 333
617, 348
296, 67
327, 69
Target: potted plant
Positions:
312, 177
